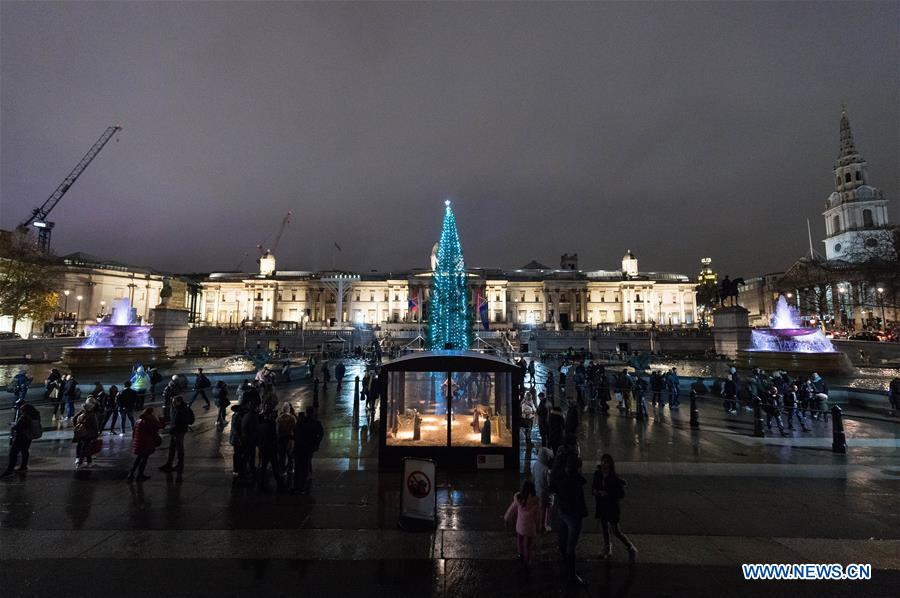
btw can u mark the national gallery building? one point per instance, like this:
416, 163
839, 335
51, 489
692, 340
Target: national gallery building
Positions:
535, 295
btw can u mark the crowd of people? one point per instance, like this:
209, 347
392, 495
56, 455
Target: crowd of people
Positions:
556, 483
268, 435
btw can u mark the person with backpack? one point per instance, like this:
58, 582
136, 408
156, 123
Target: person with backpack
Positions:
609, 489
182, 418
144, 442
220, 395
169, 392
85, 431
201, 383
23, 430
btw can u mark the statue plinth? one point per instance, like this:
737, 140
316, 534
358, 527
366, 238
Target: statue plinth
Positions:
731, 330
170, 328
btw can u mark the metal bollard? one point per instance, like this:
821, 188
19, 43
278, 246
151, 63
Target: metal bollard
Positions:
356, 389
758, 418
838, 438
695, 414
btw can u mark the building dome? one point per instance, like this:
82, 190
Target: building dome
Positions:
865, 192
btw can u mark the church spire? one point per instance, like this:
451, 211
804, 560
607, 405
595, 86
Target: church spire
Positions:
848, 148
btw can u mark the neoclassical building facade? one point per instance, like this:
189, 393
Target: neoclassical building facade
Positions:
532, 296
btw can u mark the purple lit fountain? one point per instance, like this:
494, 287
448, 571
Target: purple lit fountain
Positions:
116, 342
788, 346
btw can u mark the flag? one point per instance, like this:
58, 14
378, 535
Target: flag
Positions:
412, 304
482, 306
338, 247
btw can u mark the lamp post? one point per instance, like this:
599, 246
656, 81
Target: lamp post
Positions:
78, 314
841, 292
881, 300
66, 303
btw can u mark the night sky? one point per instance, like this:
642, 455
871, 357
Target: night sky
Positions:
675, 130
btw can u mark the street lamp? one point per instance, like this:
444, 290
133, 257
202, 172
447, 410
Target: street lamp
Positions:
78, 313
881, 300
66, 303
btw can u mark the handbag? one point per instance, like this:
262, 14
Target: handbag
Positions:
96, 445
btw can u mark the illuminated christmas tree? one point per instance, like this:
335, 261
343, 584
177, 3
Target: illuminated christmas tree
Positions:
448, 317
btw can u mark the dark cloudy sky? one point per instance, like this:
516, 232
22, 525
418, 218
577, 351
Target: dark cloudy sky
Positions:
675, 130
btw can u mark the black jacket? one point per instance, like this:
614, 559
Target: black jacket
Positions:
570, 493
182, 417
608, 505
127, 399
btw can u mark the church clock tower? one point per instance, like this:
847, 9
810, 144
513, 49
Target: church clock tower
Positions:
856, 217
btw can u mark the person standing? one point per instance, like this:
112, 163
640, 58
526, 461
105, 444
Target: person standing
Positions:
53, 387
22, 432
250, 440
127, 400
540, 473
268, 450
20, 384
543, 418
144, 442
234, 438
308, 435
527, 411
182, 418
201, 383
110, 408
894, 395
84, 432
609, 490
220, 396
71, 393
155, 378
284, 426
572, 511
525, 510
339, 370
556, 428
171, 389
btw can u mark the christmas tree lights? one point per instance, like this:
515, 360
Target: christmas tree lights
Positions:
448, 317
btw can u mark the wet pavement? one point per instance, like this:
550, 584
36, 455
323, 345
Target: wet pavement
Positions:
699, 503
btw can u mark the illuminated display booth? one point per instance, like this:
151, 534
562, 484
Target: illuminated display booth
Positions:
459, 408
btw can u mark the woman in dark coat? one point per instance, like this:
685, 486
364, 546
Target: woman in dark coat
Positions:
608, 490
144, 442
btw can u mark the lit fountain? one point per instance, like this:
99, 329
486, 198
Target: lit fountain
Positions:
116, 342
788, 346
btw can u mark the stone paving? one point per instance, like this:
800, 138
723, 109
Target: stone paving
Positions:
699, 504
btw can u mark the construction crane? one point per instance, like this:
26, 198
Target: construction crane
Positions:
284, 222
38, 218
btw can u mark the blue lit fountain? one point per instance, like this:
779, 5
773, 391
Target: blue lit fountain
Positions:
789, 346
116, 342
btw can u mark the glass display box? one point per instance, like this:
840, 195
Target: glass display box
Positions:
459, 408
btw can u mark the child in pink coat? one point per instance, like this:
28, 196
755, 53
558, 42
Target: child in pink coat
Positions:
526, 510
